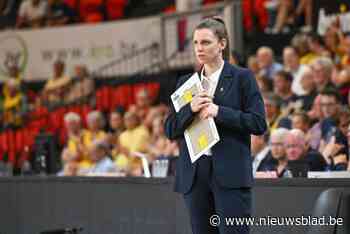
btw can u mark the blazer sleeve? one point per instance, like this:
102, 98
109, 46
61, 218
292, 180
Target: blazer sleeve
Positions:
251, 118
177, 122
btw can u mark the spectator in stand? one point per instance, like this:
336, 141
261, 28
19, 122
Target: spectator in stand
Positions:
135, 138
343, 120
342, 81
308, 84
67, 156
95, 124
170, 148
77, 146
273, 110
292, 64
159, 143
13, 72
55, 88
116, 127
322, 72
297, 150
31, 13
265, 84
284, 17
81, 88
301, 121
235, 58
332, 41
299, 42
335, 154
345, 60
94, 132
73, 146
316, 116
271, 7
59, 13
8, 12
154, 112
329, 108
260, 150
289, 13
282, 81
303, 12
142, 105
348, 138
135, 169
14, 106
278, 152
316, 49
253, 64
116, 123
70, 169
100, 158
330, 103
268, 67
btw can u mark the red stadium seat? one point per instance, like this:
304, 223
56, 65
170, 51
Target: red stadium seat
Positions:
11, 145
71, 3
103, 98
208, 2
255, 9
3, 145
91, 10
115, 9
20, 144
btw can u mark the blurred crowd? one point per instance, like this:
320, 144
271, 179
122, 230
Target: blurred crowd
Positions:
277, 16
117, 142
307, 102
306, 98
46, 13
132, 135
269, 16
39, 13
17, 100
305, 91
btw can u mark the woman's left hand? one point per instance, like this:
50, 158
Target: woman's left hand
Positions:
210, 111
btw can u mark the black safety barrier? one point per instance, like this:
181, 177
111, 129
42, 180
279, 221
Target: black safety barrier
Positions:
104, 205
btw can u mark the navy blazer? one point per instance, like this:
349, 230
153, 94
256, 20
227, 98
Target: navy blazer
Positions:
241, 113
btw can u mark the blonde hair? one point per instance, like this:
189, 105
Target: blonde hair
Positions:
326, 64
71, 116
279, 133
95, 115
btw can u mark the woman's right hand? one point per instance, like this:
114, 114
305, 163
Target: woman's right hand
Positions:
200, 101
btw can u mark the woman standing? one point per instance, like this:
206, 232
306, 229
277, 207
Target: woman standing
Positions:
218, 185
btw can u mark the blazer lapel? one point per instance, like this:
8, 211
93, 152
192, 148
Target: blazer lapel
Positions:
224, 84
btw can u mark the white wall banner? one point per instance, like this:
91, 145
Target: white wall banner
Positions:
35, 51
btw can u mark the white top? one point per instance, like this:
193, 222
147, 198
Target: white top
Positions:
213, 80
297, 88
28, 11
258, 158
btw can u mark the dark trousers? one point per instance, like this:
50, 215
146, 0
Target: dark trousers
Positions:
207, 198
